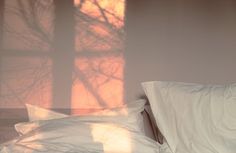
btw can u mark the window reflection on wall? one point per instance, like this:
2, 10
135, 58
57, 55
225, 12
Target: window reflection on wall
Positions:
26, 75
29, 54
98, 75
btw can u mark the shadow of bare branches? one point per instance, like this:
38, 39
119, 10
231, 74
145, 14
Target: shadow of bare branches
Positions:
29, 26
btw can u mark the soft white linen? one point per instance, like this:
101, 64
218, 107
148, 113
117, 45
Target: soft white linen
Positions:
38, 113
69, 134
128, 114
164, 148
195, 118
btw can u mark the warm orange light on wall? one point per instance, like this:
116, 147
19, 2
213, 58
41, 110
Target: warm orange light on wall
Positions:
29, 54
98, 83
98, 76
114, 10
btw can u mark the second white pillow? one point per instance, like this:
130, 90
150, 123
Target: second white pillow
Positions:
128, 114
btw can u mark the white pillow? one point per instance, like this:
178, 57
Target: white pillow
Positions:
38, 113
129, 114
194, 118
71, 135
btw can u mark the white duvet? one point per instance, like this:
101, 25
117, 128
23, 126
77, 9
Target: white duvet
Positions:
70, 135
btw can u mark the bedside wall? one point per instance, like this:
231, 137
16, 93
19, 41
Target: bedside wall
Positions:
182, 40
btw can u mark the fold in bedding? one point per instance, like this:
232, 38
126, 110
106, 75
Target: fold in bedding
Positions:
73, 136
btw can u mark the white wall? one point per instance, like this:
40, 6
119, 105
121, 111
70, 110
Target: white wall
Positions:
181, 40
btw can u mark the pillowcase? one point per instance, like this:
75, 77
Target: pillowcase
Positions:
150, 127
128, 114
38, 113
193, 117
69, 134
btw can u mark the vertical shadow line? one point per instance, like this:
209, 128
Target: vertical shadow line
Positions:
2, 2
63, 56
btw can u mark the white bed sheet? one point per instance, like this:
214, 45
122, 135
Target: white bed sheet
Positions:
73, 136
8, 148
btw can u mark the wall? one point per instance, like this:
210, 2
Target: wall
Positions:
182, 40
63, 54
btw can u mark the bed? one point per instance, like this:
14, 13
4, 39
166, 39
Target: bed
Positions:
110, 130
192, 118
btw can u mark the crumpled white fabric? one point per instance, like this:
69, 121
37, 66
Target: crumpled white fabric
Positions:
195, 118
129, 114
73, 136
